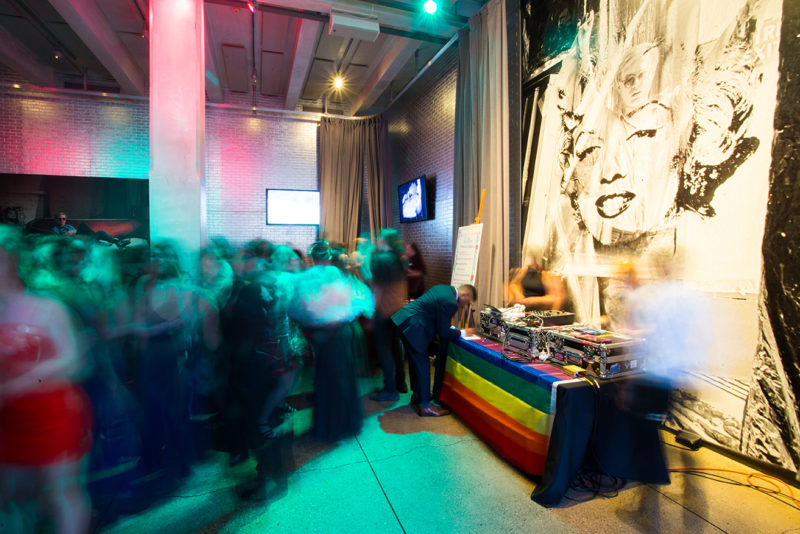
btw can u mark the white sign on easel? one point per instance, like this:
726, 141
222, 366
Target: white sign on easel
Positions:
465, 260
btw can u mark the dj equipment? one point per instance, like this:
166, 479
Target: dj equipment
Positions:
548, 318
607, 354
523, 342
492, 324
525, 337
574, 371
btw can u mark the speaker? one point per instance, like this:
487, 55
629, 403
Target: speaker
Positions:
354, 25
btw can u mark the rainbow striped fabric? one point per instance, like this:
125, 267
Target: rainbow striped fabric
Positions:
510, 405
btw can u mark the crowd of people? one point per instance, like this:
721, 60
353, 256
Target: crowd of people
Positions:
126, 364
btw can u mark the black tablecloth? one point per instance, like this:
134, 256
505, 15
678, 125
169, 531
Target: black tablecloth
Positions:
610, 427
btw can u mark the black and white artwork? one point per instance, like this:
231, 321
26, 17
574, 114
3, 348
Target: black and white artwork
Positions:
548, 28
664, 113
771, 427
654, 141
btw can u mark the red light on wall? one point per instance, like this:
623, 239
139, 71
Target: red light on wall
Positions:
251, 7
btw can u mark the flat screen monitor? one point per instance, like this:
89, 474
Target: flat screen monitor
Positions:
292, 206
413, 200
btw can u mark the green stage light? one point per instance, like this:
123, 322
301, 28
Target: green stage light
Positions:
430, 7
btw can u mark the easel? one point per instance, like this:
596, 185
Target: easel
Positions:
463, 318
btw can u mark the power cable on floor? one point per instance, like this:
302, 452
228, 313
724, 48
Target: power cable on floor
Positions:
776, 492
381, 486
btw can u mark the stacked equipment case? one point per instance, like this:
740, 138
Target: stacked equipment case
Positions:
606, 353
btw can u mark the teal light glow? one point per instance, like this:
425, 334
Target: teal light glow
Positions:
430, 7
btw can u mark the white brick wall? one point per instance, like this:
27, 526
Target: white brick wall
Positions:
60, 135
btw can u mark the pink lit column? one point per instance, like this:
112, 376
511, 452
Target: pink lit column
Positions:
177, 122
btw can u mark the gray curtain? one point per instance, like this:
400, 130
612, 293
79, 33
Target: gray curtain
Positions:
346, 149
465, 196
481, 146
379, 187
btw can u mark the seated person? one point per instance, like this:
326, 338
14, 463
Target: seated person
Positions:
62, 228
535, 287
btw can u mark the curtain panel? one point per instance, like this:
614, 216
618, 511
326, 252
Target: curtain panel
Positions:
481, 146
379, 187
347, 149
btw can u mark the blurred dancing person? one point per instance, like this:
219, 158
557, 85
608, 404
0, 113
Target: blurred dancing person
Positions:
268, 359
45, 417
327, 303
163, 317
389, 289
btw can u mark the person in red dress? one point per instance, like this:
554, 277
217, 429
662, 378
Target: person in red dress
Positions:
45, 417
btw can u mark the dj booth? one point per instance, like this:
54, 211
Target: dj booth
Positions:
549, 424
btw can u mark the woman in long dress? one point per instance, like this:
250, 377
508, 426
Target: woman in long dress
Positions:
327, 303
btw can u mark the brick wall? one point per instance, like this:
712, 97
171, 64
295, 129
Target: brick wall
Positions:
421, 141
46, 133
64, 135
54, 134
245, 155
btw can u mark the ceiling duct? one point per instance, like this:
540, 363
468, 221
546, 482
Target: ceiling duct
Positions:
354, 25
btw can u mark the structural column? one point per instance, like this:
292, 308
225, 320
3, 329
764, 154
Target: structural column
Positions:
177, 123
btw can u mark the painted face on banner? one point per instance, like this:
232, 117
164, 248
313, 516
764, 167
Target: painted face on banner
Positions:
624, 184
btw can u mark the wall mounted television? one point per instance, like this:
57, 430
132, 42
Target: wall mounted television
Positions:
415, 202
293, 206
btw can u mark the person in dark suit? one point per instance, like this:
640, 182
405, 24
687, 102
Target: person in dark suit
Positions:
418, 322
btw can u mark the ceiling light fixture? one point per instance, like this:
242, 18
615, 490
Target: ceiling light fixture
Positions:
338, 82
430, 7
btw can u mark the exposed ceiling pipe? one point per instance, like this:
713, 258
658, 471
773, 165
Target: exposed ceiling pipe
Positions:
419, 74
419, 36
254, 72
73, 93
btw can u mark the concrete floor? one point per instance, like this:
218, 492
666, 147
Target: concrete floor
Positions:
406, 474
